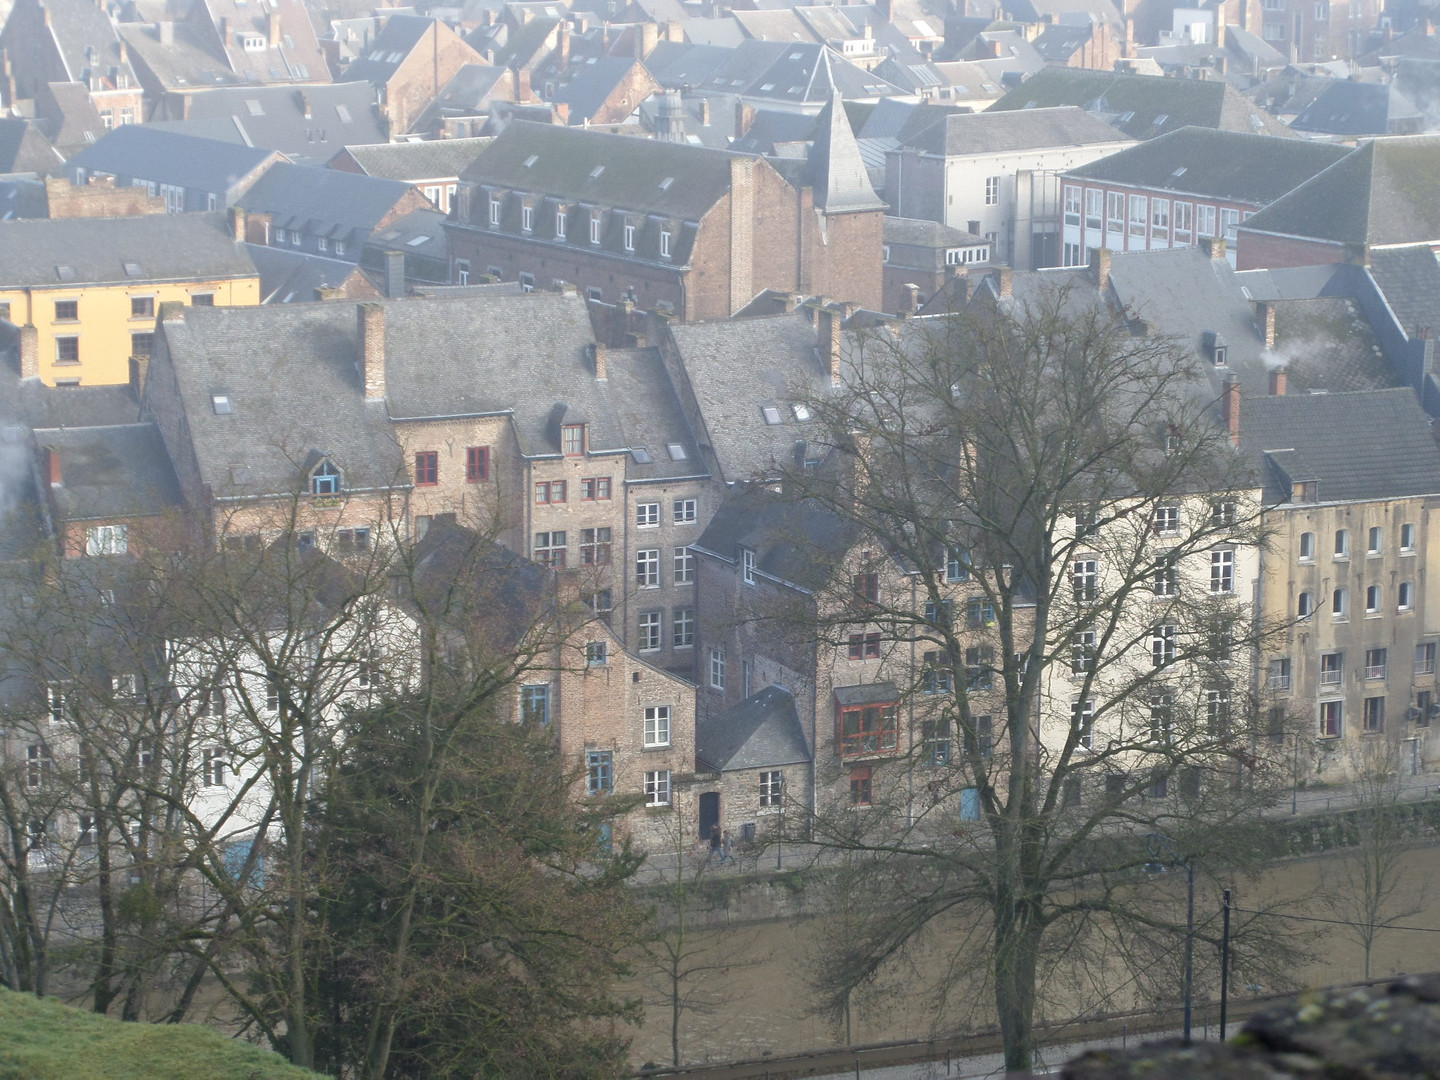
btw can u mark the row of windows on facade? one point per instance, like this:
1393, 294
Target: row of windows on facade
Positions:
1118, 212
1332, 667
141, 307
631, 229
295, 237
213, 768
866, 586
600, 780
1165, 575
551, 548
1374, 543
1374, 601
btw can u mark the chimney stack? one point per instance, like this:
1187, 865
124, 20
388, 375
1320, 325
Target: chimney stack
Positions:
563, 30
394, 274
52, 466
272, 26
1230, 407
828, 325
237, 223
139, 368
911, 303
1005, 282
371, 326
705, 112
599, 354
744, 117
29, 352
1100, 264
1277, 382
164, 31
1267, 324
1214, 246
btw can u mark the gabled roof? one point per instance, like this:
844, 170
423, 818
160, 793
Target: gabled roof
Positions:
23, 149
69, 116
1142, 106
1386, 192
610, 170
1217, 164
587, 92
389, 49
291, 277
835, 170
414, 161
799, 544
1357, 108
1374, 444
49, 252
970, 134
797, 72
296, 194
1409, 279
763, 731
168, 157
111, 472
78, 26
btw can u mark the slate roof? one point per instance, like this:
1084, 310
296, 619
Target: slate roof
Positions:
1141, 106
413, 161
68, 115
273, 118
763, 731
79, 24
797, 72
989, 132
24, 149
587, 92
1409, 279
467, 93
334, 201
1357, 108
378, 63
800, 544
920, 232
168, 157
1387, 191
835, 169
165, 247
772, 129
1361, 446
1216, 164
291, 277
738, 367
565, 158
115, 471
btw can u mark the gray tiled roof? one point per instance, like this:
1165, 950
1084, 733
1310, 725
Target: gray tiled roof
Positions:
24, 149
990, 132
1385, 192
166, 247
296, 194
1355, 108
111, 472
412, 161
587, 92
170, 157
835, 169
918, 232
401, 34
1409, 279
291, 277
1373, 444
800, 544
1213, 163
763, 731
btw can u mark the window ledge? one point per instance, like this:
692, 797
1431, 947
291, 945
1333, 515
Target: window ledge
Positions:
656, 748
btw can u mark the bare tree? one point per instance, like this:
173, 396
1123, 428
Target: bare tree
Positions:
1058, 545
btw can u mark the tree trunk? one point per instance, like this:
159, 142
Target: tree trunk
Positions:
1017, 946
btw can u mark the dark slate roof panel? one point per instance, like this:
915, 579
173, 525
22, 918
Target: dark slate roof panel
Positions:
990, 132
1409, 279
329, 196
763, 731
112, 472
412, 161
401, 34
170, 157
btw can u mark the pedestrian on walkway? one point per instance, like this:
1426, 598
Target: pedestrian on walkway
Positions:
725, 848
716, 844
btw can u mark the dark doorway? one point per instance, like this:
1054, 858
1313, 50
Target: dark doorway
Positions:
709, 813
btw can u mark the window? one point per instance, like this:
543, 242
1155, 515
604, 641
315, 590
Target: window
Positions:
1279, 674
1222, 571
67, 350
957, 564
1223, 513
1184, 216
572, 439
1162, 716
549, 491
935, 677
598, 601
992, 190
427, 468
1373, 540
685, 511
869, 729
657, 725
864, 646
1072, 205
938, 615
664, 243
1138, 209
1217, 711
1407, 537
1372, 714
142, 307
1305, 605
1228, 220
717, 669
979, 667
657, 788
650, 626
1372, 600
205, 299
1082, 723
1375, 663
142, 344
477, 464
348, 541
1082, 651
1114, 211
1094, 207
37, 764
549, 549
1342, 543
1162, 644
213, 768
272, 695
323, 244
647, 568
595, 489
1166, 520
599, 772
682, 627
527, 282
67, 310
1204, 220
325, 479
985, 736
595, 228
1165, 578
462, 271
979, 612
1307, 546
867, 587
629, 237
527, 217
494, 210
1085, 577
1332, 668
647, 515
107, 540
772, 788
1425, 658
683, 561
595, 546
535, 703
560, 223
1160, 215
597, 653
861, 793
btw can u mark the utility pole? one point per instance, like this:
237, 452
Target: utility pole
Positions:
1224, 961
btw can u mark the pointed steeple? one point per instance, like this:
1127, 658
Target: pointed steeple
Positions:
835, 170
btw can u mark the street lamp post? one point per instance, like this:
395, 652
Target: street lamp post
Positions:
1224, 964
1295, 779
1160, 845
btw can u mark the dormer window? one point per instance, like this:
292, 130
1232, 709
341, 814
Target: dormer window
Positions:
560, 223
629, 236
595, 227
527, 217
1216, 347
572, 440
665, 243
325, 479
494, 210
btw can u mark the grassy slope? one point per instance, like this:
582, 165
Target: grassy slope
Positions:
42, 1039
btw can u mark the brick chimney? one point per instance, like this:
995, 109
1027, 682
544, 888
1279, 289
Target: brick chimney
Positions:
272, 29
237, 224
1265, 316
394, 274
1230, 407
1005, 282
139, 368
52, 466
1214, 246
1277, 381
563, 46
371, 326
599, 352
744, 117
705, 112
29, 352
910, 302
1100, 266
828, 326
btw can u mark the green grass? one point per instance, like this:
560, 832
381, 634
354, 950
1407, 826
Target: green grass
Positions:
43, 1039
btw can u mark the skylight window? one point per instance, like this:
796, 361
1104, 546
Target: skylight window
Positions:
254, 107
801, 411
529, 161
641, 455
665, 184
771, 414
1160, 119
416, 241
677, 451
596, 171
767, 88
342, 112
1179, 172
132, 269
796, 55
65, 273
221, 404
